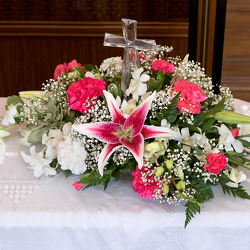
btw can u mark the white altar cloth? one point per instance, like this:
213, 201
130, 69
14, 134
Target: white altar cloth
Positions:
48, 213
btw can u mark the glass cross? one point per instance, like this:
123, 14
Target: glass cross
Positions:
131, 45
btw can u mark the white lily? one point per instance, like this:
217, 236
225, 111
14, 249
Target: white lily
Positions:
244, 128
38, 163
183, 136
53, 139
227, 140
137, 86
202, 141
9, 116
3, 133
128, 107
236, 177
24, 141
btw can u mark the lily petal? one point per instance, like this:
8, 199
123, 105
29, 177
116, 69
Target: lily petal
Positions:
117, 116
144, 78
136, 146
103, 131
153, 131
105, 154
136, 74
138, 116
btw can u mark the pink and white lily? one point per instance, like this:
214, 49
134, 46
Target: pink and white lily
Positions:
127, 132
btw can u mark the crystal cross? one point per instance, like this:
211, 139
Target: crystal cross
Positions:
131, 45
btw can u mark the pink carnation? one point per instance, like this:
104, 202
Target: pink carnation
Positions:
164, 66
144, 189
190, 98
60, 69
72, 65
64, 68
84, 92
78, 186
216, 162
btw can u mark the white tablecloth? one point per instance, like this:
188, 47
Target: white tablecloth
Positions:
48, 213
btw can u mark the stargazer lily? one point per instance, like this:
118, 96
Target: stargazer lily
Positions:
127, 132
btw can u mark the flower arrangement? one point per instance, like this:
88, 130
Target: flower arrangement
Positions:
168, 128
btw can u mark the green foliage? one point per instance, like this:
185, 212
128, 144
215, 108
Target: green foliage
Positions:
191, 210
171, 113
206, 125
14, 100
245, 143
115, 91
238, 160
68, 173
54, 163
235, 191
89, 67
112, 171
217, 108
155, 85
37, 133
203, 192
91, 178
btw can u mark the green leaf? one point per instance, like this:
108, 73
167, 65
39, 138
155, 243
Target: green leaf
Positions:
54, 162
68, 173
245, 143
191, 210
91, 179
36, 133
155, 85
113, 89
51, 105
160, 75
207, 124
14, 100
154, 122
217, 108
105, 180
159, 116
89, 67
242, 136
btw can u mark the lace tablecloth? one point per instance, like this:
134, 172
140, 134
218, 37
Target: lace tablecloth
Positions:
48, 213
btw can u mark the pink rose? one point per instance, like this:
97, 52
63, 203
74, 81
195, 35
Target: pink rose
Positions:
216, 162
235, 132
145, 189
83, 93
78, 186
164, 66
190, 98
64, 68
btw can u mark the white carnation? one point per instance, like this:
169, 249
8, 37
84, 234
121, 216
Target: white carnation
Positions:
72, 155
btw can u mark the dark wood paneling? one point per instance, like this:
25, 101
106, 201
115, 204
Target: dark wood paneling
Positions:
238, 5
236, 56
237, 36
31, 51
90, 29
